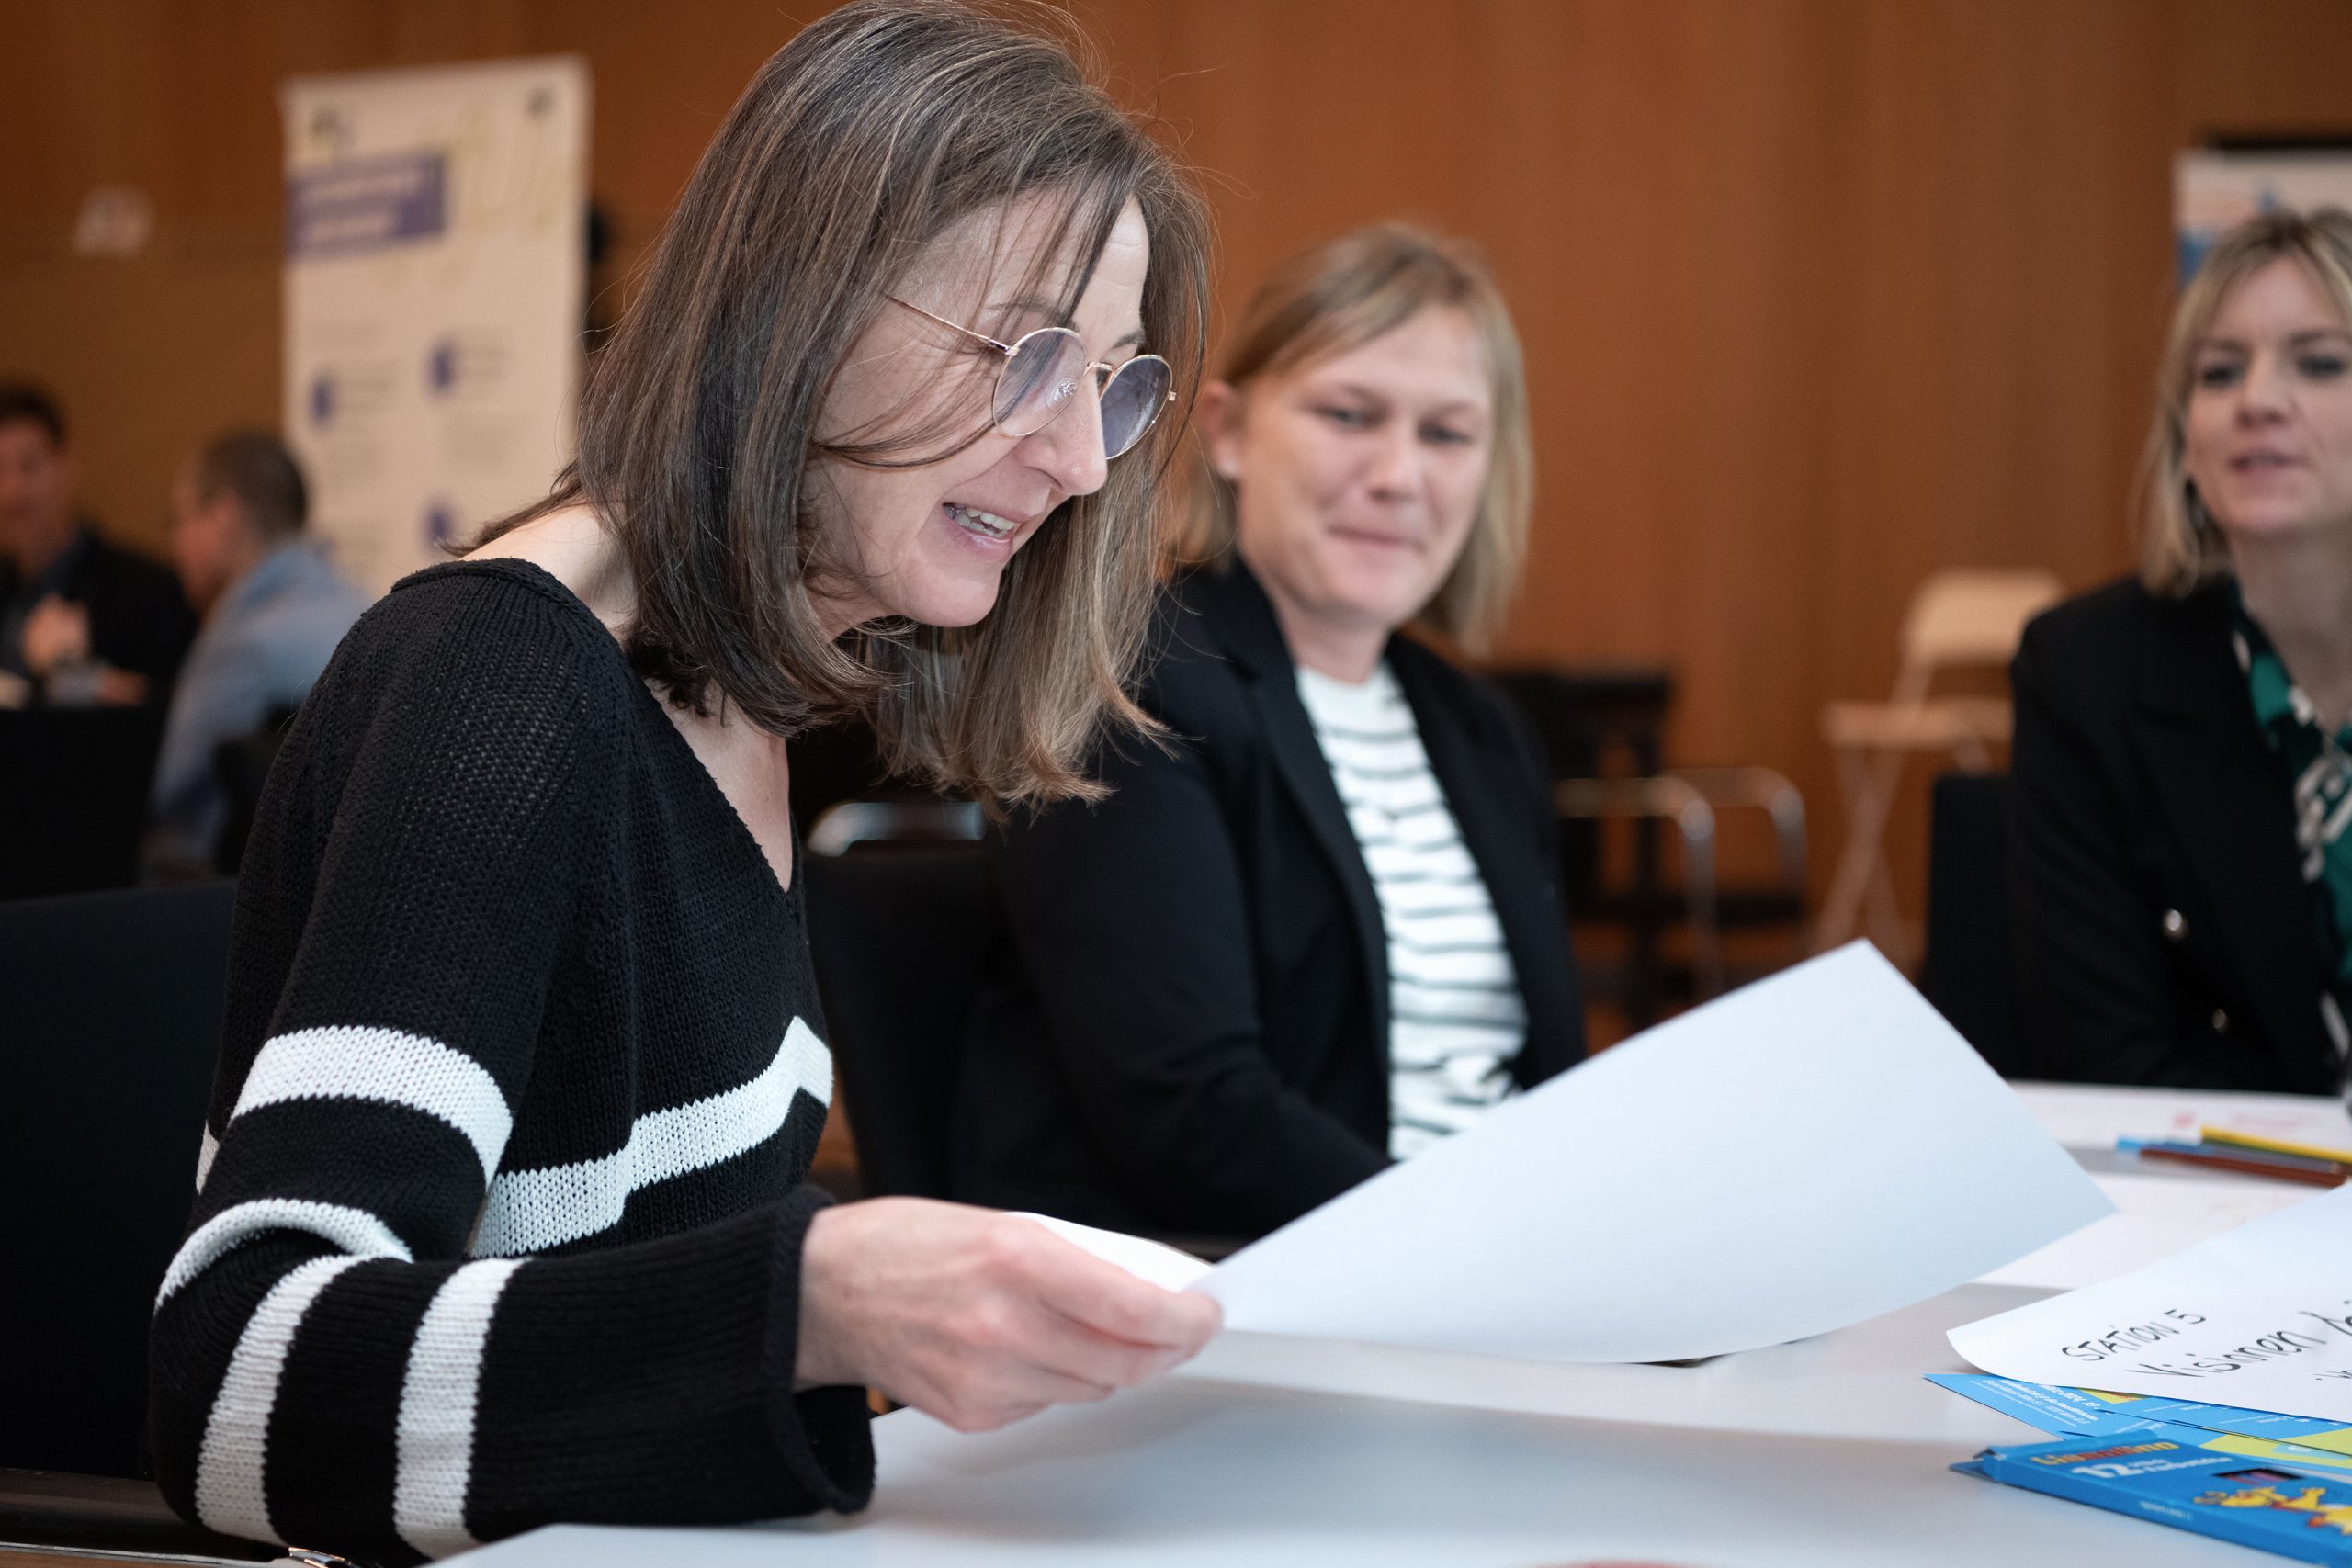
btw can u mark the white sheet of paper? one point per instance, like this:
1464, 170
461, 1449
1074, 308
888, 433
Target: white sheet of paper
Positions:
2155, 1217
2092, 1116
1146, 1260
1813, 1150
2260, 1317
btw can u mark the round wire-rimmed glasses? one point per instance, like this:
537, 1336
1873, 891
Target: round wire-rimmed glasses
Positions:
1038, 381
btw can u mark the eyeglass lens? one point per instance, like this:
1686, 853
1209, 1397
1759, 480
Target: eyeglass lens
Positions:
1041, 375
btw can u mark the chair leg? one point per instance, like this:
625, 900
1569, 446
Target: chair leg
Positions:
1697, 822
1860, 782
1884, 918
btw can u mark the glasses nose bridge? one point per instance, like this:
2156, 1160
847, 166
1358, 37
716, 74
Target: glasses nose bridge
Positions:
1091, 374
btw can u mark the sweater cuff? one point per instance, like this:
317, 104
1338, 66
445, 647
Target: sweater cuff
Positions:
823, 1436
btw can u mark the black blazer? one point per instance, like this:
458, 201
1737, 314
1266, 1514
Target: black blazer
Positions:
1184, 1022
2164, 932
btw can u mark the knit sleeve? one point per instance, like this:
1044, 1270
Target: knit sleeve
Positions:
330, 1363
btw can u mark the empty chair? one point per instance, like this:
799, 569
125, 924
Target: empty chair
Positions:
1603, 735
113, 1009
1960, 618
897, 930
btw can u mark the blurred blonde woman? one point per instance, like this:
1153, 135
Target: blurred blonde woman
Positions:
2181, 867
1316, 928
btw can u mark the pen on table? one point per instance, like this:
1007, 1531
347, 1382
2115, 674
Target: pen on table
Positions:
2310, 1173
2274, 1145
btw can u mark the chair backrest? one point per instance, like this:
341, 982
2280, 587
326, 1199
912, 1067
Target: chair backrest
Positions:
74, 785
1971, 976
896, 931
242, 766
1969, 616
1590, 724
112, 1008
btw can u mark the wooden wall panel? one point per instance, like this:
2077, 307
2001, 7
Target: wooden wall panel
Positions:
1819, 295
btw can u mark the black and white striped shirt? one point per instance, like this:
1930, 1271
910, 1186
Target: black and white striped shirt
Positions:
1455, 1015
499, 1210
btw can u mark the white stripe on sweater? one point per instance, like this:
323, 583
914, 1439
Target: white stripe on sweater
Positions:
531, 1209
353, 1231
435, 1441
232, 1468
356, 1062
206, 1148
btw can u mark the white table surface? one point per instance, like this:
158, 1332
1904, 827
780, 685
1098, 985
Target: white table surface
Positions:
1828, 1452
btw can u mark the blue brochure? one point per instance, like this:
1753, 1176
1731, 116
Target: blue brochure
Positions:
2081, 1413
2276, 1503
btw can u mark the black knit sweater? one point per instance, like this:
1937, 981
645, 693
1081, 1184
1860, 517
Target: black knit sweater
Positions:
499, 1216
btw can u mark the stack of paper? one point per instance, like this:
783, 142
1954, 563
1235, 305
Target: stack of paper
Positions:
2258, 1318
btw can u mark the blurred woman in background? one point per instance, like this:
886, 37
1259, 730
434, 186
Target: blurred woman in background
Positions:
2181, 865
1315, 929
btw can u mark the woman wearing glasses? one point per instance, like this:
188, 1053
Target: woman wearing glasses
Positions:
500, 1218
1315, 929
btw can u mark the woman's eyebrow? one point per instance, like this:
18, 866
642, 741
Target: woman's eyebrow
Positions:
2294, 339
1054, 316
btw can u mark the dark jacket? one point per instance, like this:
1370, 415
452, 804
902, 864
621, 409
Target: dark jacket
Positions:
1185, 1025
2164, 933
140, 621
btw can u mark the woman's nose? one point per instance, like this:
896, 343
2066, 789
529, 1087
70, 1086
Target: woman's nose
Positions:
2263, 392
1072, 444
1396, 464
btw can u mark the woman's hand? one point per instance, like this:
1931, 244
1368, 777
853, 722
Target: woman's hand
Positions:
975, 1318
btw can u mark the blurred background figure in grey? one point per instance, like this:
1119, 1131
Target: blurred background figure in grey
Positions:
273, 608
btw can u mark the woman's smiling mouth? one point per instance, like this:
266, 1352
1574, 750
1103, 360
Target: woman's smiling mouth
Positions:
987, 524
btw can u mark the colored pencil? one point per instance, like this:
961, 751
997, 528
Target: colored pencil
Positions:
2274, 1145
2310, 1176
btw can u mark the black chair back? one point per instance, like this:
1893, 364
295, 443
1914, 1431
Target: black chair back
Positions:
1971, 976
112, 1017
1590, 724
242, 766
895, 929
74, 785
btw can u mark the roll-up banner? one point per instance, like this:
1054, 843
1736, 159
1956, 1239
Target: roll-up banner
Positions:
2216, 189
436, 276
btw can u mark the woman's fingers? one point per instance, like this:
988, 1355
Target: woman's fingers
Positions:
1113, 1303
980, 1318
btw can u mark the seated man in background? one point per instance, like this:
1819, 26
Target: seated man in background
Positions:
81, 621
274, 610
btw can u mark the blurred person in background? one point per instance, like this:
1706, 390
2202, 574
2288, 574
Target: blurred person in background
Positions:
2180, 866
81, 621
1314, 928
272, 610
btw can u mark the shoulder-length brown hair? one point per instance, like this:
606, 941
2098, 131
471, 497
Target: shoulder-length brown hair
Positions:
2183, 549
1338, 295
861, 140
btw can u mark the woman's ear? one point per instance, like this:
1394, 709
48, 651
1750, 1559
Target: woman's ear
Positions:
1220, 414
